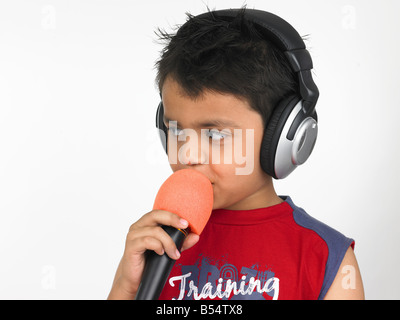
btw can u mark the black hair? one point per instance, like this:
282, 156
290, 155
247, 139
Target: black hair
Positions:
210, 53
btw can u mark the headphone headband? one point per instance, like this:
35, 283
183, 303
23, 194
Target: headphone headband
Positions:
273, 28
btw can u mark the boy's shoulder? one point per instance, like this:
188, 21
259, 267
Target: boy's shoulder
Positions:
336, 243
329, 235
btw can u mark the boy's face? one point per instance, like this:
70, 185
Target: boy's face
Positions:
227, 153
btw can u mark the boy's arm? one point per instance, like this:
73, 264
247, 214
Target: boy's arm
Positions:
347, 284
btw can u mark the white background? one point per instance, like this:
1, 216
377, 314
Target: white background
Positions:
80, 158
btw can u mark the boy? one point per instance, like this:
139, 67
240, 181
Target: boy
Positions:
220, 82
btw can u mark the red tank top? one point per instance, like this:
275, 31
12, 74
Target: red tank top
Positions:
278, 252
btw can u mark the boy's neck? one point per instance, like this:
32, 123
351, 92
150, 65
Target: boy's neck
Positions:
262, 198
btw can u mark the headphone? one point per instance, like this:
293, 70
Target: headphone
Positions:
291, 132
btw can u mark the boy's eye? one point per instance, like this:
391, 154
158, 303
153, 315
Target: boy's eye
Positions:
215, 134
175, 131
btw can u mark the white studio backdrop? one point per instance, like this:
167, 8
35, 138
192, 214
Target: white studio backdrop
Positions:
80, 157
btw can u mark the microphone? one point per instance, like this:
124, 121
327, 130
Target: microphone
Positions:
189, 194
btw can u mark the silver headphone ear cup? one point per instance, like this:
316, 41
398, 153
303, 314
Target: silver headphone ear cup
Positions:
304, 141
273, 132
292, 153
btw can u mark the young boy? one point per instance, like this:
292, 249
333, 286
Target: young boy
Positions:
220, 81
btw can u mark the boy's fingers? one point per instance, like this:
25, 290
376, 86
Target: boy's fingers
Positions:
160, 217
190, 241
149, 243
145, 239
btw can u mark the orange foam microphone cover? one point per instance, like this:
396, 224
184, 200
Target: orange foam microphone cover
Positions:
189, 194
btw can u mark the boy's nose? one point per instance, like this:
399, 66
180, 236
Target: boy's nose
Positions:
194, 151
191, 157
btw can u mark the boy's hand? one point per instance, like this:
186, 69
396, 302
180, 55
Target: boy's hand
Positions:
146, 234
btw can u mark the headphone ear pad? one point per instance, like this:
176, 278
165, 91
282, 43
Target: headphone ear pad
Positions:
273, 131
162, 129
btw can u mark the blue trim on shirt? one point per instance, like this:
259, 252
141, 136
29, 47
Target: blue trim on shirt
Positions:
337, 243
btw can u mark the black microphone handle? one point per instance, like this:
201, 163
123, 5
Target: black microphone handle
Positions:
158, 268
